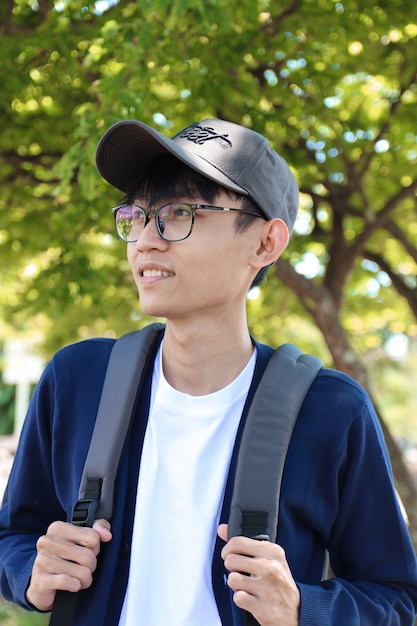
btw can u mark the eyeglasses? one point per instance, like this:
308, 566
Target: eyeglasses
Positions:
174, 221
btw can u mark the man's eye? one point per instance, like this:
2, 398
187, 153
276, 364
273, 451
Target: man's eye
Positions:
180, 211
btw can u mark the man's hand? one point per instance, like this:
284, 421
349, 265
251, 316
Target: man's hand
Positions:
261, 580
66, 559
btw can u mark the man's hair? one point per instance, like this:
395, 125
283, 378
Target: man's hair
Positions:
169, 177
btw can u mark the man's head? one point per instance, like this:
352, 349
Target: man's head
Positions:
234, 157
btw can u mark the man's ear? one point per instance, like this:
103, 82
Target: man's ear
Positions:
274, 240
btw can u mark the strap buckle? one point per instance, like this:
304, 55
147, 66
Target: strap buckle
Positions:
84, 510
254, 525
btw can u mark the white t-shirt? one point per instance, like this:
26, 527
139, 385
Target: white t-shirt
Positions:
185, 461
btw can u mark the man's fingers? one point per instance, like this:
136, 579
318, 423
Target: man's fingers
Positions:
66, 560
103, 528
222, 531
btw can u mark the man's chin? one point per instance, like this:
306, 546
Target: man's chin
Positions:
152, 311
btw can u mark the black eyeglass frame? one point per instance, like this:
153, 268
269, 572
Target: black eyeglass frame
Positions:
192, 207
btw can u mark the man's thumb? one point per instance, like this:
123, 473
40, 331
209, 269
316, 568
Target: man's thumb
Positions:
223, 533
103, 528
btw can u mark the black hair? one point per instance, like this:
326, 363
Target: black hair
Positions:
167, 177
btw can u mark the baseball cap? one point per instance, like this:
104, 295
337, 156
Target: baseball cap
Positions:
233, 156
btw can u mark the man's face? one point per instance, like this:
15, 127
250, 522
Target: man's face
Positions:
207, 274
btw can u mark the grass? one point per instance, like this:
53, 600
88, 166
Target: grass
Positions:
11, 615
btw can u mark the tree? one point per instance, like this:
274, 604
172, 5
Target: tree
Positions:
332, 85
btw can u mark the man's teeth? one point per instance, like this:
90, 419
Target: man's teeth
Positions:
157, 273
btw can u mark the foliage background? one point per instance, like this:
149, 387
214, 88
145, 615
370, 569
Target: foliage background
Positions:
331, 84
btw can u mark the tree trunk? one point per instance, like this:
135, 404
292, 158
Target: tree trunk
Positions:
320, 304
404, 482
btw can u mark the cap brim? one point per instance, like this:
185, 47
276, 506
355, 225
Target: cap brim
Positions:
127, 148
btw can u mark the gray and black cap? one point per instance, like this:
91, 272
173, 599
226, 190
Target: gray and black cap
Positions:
233, 156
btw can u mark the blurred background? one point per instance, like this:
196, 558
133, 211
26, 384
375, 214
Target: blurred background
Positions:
333, 85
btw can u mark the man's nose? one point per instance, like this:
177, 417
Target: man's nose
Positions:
149, 216
150, 237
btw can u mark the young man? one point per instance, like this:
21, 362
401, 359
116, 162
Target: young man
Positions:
204, 213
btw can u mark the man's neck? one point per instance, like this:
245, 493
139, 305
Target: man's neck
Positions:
205, 359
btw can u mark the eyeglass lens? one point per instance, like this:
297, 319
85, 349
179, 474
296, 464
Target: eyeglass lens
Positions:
173, 221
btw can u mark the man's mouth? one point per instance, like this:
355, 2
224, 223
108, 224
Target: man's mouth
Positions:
148, 273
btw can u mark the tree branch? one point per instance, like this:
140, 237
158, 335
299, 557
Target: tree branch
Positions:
380, 219
7, 22
320, 304
400, 286
277, 21
366, 161
396, 232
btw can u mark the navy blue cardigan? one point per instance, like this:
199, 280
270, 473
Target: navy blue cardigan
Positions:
337, 493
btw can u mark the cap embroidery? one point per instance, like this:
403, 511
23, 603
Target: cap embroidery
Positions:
201, 134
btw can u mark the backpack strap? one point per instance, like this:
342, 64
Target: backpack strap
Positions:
265, 440
122, 383
266, 437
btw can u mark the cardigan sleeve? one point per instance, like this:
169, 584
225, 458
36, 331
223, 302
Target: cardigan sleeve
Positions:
43, 483
371, 553
29, 500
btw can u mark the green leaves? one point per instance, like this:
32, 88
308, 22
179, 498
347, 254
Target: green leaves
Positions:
332, 85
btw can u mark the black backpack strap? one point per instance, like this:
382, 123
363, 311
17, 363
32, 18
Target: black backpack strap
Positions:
265, 440
123, 380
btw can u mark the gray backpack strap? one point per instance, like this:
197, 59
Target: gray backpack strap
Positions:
265, 440
124, 377
123, 380
266, 437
